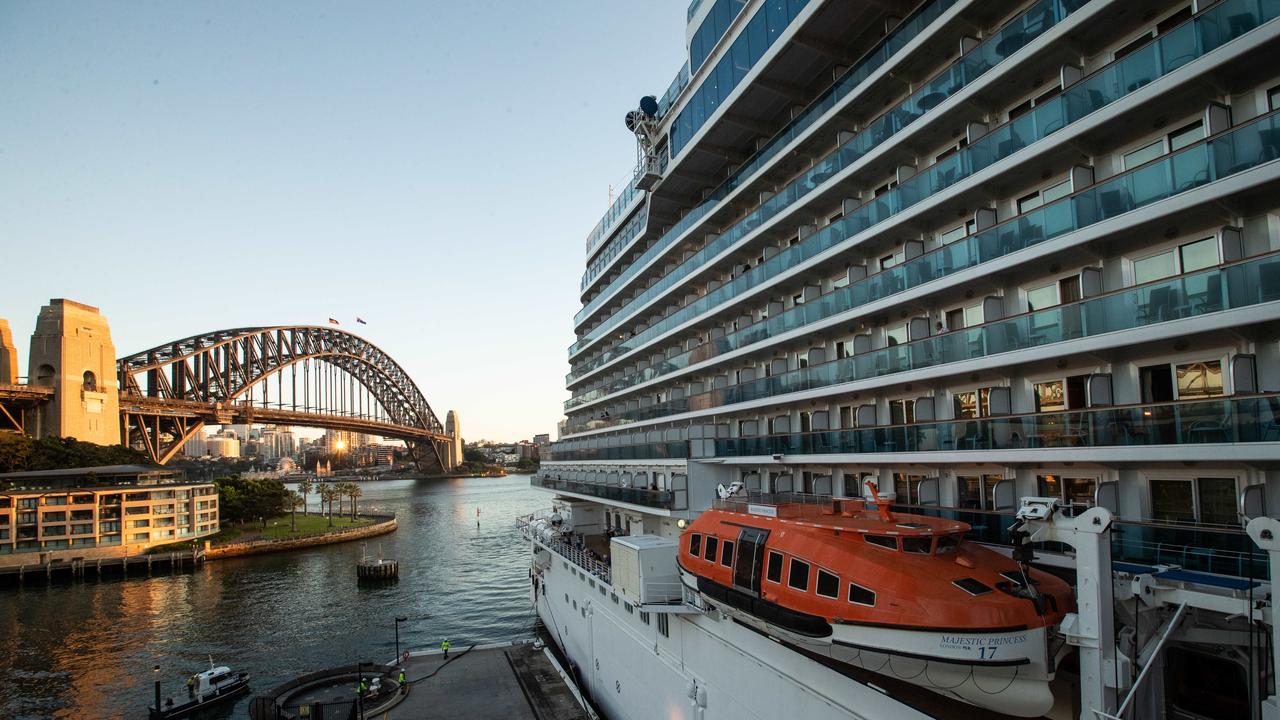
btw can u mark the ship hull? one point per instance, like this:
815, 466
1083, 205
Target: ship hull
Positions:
706, 666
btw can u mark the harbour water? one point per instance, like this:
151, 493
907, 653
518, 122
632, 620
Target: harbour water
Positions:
85, 649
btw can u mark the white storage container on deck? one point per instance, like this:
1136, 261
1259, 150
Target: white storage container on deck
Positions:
644, 568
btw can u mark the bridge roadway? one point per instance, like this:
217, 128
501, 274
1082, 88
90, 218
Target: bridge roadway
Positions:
244, 414
18, 403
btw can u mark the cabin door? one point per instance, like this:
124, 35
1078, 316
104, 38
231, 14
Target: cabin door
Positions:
748, 566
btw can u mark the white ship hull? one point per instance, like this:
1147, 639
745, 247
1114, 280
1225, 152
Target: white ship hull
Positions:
707, 666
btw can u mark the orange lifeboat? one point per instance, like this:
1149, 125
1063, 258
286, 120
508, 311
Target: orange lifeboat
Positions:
900, 595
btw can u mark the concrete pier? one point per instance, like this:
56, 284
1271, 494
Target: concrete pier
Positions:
506, 682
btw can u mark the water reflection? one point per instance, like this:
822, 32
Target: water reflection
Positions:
86, 649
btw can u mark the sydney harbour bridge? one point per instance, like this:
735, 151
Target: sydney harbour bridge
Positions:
304, 375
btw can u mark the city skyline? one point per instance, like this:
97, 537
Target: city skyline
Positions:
199, 168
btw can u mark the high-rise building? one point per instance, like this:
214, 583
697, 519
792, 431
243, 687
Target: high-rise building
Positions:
197, 446
956, 253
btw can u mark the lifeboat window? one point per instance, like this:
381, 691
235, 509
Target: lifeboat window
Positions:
948, 544
883, 541
695, 544
774, 572
712, 546
726, 553
798, 577
918, 545
972, 586
828, 585
859, 595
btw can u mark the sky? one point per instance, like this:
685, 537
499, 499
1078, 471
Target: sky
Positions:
431, 167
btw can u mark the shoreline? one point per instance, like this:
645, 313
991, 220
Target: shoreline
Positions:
383, 525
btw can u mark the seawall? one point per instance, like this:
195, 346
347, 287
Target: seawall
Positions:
385, 524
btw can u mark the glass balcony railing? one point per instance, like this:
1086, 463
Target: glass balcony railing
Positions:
1255, 418
1215, 549
664, 499
852, 78
1042, 17
574, 450
1189, 41
611, 216
621, 240
1225, 155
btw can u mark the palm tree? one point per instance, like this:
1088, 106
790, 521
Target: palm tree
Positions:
293, 500
305, 487
340, 490
327, 493
354, 491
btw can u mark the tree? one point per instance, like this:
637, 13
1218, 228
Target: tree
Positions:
305, 487
327, 494
242, 499
293, 500
340, 491
354, 490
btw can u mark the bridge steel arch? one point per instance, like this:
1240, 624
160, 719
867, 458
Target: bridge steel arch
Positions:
168, 393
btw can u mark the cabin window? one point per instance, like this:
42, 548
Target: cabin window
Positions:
883, 541
695, 544
828, 585
918, 545
712, 547
948, 544
972, 586
644, 617
726, 553
798, 577
663, 625
859, 595
774, 572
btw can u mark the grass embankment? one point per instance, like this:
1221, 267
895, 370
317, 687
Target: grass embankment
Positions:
277, 528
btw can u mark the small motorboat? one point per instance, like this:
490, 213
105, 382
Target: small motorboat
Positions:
204, 689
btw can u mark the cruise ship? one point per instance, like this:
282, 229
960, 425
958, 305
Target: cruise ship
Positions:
929, 366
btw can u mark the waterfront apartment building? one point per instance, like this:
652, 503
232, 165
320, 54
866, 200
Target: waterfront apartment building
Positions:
101, 512
967, 250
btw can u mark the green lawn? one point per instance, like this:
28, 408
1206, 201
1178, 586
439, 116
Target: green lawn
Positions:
280, 527
277, 528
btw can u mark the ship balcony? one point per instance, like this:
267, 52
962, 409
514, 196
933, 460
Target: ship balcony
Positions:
1181, 429
1218, 550
1086, 97
873, 139
660, 499
1216, 291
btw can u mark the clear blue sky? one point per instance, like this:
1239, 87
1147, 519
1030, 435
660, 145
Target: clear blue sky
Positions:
431, 167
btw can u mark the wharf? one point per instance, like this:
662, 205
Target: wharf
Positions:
508, 681
515, 682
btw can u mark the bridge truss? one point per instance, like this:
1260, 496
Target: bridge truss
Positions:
313, 376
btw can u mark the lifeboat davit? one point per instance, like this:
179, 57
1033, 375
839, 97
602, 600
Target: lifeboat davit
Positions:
896, 594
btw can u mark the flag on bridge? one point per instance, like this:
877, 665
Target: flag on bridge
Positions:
334, 322
361, 321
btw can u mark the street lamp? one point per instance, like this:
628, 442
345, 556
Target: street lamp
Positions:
399, 619
155, 672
